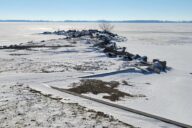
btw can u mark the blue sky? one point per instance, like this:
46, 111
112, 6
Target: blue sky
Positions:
96, 9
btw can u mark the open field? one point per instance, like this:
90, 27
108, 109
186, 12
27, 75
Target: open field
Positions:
167, 94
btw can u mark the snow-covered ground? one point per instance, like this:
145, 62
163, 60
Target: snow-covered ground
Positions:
167, 94
22, 107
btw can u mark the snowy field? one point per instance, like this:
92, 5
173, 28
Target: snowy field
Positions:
166, 94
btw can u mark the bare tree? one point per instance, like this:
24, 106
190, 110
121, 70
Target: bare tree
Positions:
106, 26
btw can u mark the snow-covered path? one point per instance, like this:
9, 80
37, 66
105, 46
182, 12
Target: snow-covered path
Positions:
37, 84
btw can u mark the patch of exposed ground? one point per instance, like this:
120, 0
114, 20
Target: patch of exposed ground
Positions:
124, 82
98, 86
18, 54
45, 66
23, 107
28, 47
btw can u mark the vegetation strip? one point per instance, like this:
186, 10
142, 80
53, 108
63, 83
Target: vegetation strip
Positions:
18, 47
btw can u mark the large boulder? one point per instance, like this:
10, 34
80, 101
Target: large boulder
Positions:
109, 49
135, 57
127, 58
143, 59
62, 32
158, 66
47, 33
77, 34
111, 55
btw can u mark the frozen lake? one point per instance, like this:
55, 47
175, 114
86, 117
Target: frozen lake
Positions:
12, 33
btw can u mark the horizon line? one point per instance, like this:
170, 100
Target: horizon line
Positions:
112, 21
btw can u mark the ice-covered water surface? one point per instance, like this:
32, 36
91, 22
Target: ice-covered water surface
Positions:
144, 33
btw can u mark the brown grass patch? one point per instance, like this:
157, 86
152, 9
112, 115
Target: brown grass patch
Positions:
99, 86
